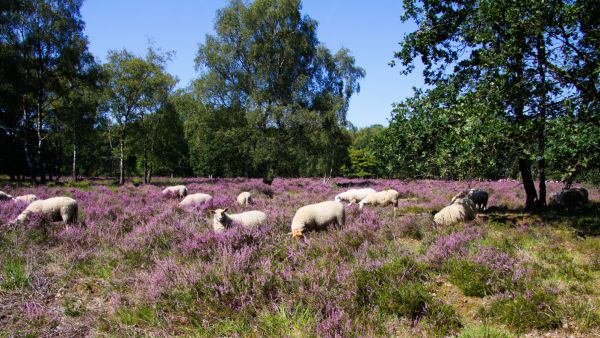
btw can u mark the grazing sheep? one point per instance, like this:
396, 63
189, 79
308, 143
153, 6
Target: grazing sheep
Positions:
196, 198
317, 217
5, 197
479, 197
573, 196
354, 195
62, 208
222, 220
179, 190
382, 198
244, 198
553, 198
462, 209
26, 198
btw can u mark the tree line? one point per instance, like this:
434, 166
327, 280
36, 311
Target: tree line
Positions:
270, 99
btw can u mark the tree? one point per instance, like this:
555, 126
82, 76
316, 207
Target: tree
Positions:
509, 50
136, 87
271, 81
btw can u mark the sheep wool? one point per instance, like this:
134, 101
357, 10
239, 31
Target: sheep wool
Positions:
26, 198
354, 195
196, 198
223, 221
382, 198
61, 208
317, 217
244, 198
5, 197
179, 190
573, 196
463, 209
553, 198
478, 196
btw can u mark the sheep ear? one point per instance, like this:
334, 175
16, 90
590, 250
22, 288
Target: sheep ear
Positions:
225, 210
211, 211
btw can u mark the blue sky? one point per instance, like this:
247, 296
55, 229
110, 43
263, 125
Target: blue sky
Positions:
371, 30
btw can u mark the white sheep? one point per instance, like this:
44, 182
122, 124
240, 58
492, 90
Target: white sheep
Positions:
222, 220
61, 208
553, 198
573, 196
479, 197
5, 197
244, 198
196, 198
317, 217
462, 209
382, 198
354, 195
179, 190
26, 198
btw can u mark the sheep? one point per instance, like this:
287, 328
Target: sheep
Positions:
553, 198
244, 198
222, 220
5, 197
479, 197
462, 209
64, 208
354, 195
196, 198
179, 190
26, 198
573, 196
317, 217
381, 198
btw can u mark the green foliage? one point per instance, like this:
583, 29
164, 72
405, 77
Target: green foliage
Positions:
15, 274
269, 90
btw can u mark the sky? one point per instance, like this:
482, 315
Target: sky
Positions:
371, 30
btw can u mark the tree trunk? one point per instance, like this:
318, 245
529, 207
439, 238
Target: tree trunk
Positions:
40, 146
26, 145
541, 51
112, 153
528, 184
121, 166
74, 155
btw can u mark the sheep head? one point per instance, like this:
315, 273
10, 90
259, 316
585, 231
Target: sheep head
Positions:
297, 234
219, 214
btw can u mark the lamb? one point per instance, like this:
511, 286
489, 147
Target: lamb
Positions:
5, 197
222, 220
179, 190
354, 195
244, 198
317, 217
462, 209
573, 196
479, 197
381, 198
26, 198
64, 208
196, 198
553, 198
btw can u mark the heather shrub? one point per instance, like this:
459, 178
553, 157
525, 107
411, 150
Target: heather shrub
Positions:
398, 288
534, 308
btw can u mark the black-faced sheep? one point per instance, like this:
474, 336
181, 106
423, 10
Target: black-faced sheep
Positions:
382, 198
573, 196
196, 198
222, 220
244, 198
479, 197
5, 197
354, 195
179, 190
317, 217
61, 208
462, 209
